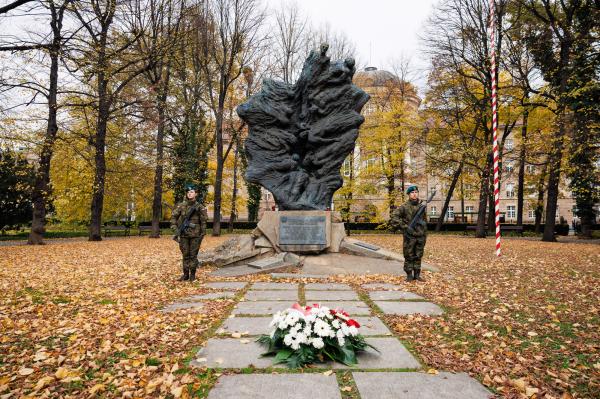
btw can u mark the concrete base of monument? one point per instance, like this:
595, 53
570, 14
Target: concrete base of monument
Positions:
285, 239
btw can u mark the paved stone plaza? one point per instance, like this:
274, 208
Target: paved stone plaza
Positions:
393, 373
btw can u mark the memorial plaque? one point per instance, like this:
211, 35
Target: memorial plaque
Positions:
302, 230
368, 246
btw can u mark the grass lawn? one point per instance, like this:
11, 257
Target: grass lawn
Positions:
81, 318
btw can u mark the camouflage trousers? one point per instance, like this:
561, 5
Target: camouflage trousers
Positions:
413, 248
189, 247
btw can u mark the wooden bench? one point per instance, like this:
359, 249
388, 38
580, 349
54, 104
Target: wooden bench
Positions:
116, 229
518, 229
144, 229
515, 228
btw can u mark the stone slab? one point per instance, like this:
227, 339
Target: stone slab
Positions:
367, 245
272, 295
392, 295
262, 242
334, 264
261, 307
382, 286
226, 285
211, 295
412, 385
274, 286
372, 326
174, 307
266, 263
232, 353
288, 386
298, 275
245, 352
352, 246
354, 308
338, 233
268, 227
405, 308
331, 296
326, 287
244, 270
249, 325
393, 356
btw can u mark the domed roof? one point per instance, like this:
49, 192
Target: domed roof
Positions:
373, 77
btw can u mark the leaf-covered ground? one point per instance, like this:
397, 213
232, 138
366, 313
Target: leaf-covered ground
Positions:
81, 319
527, 323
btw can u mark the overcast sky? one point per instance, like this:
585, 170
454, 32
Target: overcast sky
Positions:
381, 29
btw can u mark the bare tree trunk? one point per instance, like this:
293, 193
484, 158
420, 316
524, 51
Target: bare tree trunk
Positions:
483, 194
522, 160
161, 103
100, 146
457, 174
539, 207
100, 168
216, 231
233, 215
553, 182
41, 190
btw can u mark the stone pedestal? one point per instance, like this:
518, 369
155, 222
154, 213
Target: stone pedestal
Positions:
302, 231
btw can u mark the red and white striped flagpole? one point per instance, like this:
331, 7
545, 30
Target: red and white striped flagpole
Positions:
495, 124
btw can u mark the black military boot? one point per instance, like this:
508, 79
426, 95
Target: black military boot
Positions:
409, 275
192, 275
418, 275
185, 276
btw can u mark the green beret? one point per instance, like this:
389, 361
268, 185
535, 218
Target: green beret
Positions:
411, 189
190, 187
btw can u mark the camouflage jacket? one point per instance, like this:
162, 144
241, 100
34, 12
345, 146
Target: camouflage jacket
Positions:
197, 220
404, 214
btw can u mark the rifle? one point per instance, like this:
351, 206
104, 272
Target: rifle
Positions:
420, 211
186, 221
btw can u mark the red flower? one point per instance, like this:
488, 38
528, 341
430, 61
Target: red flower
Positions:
352, 322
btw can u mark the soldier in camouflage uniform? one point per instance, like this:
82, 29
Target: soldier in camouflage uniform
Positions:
414, 238
191, 238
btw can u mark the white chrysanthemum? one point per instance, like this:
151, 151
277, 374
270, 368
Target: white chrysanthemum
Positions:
353, 331
340, 333
295, 328
282, 325
288, 340
301, 338
341, 341
295, 345
307, 330
310, 318
317, 342
292, 318
322, 329
335, 323
344, 329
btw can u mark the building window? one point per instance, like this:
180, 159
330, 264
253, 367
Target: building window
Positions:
557, 213
450, 212
347, 168
371, 162
530, 168
509, 166
510, 190
509, 145
433, 211
511, 212
531, 214
431, 191
469, 209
